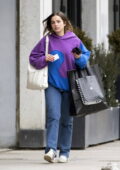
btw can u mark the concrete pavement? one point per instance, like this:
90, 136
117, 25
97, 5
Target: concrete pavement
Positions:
92, 158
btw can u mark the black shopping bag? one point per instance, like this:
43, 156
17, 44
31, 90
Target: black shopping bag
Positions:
87, 92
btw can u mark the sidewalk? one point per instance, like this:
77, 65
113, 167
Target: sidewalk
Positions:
92, 158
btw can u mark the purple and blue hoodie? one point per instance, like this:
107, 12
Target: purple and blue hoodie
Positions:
57, 70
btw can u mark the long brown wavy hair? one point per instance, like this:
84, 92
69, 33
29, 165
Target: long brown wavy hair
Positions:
47, 22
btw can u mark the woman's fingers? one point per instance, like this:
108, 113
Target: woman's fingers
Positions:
49, 57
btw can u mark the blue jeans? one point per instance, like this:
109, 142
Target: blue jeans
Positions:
59, 123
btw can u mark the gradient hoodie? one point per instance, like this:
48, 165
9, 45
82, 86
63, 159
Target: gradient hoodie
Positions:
61, 45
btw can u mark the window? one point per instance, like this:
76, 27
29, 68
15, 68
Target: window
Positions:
74, 12
71, 8
116, 10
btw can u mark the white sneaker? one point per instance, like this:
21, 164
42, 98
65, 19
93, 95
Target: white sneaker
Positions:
50, 156
63, 159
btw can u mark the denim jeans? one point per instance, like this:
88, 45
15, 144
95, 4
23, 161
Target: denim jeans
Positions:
59, 123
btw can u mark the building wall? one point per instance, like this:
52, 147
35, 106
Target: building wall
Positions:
29, 35
31, 103
7, 73
32, 110
89, 22
96, 20
32, 12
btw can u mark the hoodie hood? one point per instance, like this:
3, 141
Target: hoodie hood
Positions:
67, 35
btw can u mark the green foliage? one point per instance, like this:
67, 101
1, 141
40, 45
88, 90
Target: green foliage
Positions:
114, 41
110, 69
84, 38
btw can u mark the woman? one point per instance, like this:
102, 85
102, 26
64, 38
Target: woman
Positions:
60, 59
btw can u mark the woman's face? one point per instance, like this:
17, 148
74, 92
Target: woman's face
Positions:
57, 25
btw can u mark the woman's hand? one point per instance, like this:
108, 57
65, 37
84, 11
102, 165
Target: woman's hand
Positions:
50, 58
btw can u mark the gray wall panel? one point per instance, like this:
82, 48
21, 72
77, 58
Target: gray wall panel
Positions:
7, 73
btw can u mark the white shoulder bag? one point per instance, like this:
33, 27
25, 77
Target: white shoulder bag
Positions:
37, 79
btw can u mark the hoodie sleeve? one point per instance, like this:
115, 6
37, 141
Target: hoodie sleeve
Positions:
85, 55
37, 55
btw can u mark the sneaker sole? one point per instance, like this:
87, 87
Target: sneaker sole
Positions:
48, 158
62, 161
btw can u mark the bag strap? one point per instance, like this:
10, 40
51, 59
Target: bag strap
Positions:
87, 71
46, 44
